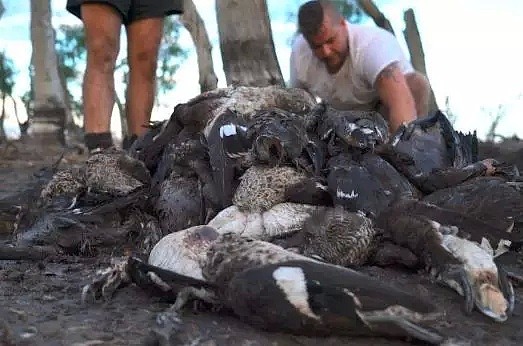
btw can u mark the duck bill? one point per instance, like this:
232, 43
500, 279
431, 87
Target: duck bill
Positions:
491, 302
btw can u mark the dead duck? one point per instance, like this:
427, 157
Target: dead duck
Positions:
291, 293
271, 137
490, 199
183, 252
200, 114
339, 237
261, 187
19, 210
281, 137
354, 129
470, 226
63, 190
211, 113
279, 221
260, 208
112, 172
286, 291
179, 205
84, 230
432, 155
455, 261
366, 183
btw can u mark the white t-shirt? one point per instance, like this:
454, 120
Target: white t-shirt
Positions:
371, 49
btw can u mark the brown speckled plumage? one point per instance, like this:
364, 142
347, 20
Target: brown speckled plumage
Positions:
263, 187
67, 183
339, 237
179, 204
116, 173
231, 254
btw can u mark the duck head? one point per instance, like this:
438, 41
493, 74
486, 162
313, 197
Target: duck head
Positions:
278, 136
488, 298
493, 294
183, 252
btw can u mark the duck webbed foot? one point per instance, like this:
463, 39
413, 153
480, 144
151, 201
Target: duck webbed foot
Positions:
448, 177
389, 254
106, 282
511, 263
424, 238
196, 295
405, 327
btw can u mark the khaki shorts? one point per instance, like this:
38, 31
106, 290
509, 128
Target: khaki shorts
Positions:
132, 10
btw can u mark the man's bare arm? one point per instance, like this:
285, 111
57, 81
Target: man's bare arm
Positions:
396, 96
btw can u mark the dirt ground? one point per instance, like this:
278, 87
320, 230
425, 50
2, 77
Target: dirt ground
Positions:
40, 302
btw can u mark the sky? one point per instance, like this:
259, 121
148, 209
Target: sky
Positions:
471, 49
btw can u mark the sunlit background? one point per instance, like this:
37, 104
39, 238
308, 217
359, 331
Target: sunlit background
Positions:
472, 49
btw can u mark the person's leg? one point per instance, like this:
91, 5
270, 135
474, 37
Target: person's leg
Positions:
143, 42
102, 25
420, 89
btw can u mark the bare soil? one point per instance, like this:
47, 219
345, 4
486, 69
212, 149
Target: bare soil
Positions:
40, 302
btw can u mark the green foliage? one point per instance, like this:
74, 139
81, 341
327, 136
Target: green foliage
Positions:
70, 47
7, 74
170, 55
349, 10
72, 54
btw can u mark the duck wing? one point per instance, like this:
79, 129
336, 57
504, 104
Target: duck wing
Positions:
490, 199
432, 155
318, 299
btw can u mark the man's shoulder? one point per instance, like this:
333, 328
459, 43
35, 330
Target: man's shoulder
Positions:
300, 45
365, 34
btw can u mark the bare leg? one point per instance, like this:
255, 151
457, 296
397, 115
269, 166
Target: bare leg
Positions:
143, 37
420, 89
102, 37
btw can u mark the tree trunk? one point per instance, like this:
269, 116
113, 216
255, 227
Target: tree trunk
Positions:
417, 56
370, 8
246, 43
194, 24
2, 9
2, 118
49, 117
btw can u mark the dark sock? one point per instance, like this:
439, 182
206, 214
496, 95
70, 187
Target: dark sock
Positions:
98, 140
128, 141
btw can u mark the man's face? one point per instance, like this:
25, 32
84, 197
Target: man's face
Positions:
330, 44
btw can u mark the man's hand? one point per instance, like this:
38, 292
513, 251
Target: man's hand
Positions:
395, 95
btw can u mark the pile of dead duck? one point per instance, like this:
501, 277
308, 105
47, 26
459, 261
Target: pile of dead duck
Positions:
262, 202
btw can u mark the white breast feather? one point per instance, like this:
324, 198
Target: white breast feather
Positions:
172, 253
469, 253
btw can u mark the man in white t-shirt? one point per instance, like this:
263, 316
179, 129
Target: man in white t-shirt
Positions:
355, 67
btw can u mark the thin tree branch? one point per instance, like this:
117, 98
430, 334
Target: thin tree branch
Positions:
370, 8
192, 21
417, 56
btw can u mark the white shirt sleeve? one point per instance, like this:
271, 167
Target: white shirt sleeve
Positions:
381, 51
293, 80
294, 67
